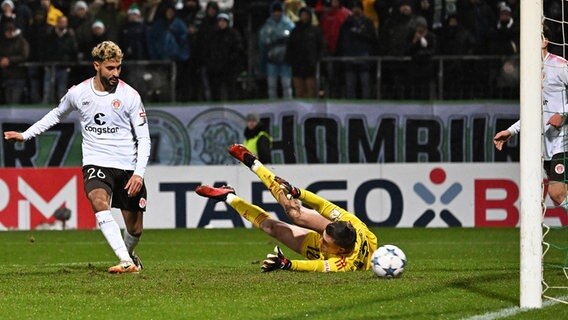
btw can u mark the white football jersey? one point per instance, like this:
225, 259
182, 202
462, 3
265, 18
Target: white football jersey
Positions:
554, 85
113, 124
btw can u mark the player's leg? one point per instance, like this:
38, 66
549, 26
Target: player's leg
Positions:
556, 172
290, 235
98, 183
133, 220
132, 209
299, 215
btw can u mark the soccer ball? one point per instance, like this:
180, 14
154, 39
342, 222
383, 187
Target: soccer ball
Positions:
388, 261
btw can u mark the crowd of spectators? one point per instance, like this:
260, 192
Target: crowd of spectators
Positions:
216, 43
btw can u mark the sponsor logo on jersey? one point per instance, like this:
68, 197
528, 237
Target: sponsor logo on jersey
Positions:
85, 103
116, 103
100, 131
559, 168
98, 119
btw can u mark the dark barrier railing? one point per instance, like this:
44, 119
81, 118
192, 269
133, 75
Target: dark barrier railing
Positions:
48, 81
384, 78
404, 78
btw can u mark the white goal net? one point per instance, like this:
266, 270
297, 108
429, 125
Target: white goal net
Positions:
554, 217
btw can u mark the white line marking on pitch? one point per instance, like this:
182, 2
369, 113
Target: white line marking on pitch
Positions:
508, 312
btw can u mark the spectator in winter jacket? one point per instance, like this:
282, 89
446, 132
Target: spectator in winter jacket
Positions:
61, 47
331, 20
39, 32
8, 15
132, 38
504, 38
223, 62
357, 39
208, 26
167, 38
421, 48
14, 49
305, 48
273, 39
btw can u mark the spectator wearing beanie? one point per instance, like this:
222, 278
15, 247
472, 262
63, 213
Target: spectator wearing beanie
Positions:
272, 41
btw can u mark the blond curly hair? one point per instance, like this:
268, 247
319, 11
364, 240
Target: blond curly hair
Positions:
107, 50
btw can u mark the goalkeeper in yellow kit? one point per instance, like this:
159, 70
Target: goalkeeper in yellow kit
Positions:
331, 238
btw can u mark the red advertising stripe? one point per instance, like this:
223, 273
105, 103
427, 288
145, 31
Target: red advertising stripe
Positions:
29, 197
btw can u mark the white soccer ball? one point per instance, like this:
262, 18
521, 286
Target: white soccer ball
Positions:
388, 261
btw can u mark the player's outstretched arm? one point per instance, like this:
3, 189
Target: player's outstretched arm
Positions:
13, 136
500, 138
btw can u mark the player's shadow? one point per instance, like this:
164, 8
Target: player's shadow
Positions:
471, 284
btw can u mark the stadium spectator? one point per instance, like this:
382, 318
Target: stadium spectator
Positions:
397, 30
384, 10
207, 27
477, 17
112, 17
14, 50
455, 40
190, 87
437, 12
305, 49
257, 138
52, 12
189, 13
39, 31
332, 239
9, 16
98, 35
420, 72
167, 38
330, 22
133, 35
114, 156
61, 46
272, 40
292, 11
223, 60
370, 12
394, 39
357, 38
223, 5
80, 20
505, 37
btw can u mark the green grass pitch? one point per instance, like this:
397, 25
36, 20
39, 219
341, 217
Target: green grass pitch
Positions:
452, 273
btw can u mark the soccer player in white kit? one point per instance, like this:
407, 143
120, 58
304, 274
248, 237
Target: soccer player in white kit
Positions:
116, 147
555, 153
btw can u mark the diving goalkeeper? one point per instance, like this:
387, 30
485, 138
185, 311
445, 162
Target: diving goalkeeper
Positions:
331, 238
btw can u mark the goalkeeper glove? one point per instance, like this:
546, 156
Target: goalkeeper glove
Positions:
276, 261
289, 190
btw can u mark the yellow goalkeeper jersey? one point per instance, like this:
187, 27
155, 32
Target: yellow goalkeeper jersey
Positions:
358, 259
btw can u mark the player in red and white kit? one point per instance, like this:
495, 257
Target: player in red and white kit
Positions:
116, 147
555, 114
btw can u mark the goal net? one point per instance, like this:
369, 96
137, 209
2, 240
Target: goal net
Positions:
554, 217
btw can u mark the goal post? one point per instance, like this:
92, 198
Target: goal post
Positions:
531, 155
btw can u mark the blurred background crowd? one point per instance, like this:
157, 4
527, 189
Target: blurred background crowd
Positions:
199, 50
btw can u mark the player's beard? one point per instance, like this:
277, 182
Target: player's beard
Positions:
109, 83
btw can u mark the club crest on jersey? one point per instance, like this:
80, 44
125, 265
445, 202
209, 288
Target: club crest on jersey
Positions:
116, 104
559, 168
142, 203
